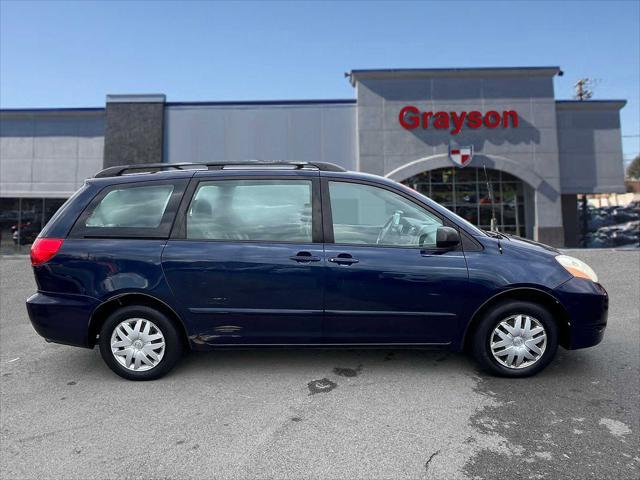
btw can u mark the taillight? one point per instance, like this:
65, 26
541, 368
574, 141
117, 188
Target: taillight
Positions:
44, 249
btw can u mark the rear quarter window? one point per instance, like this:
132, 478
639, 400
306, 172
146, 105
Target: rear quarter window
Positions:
139, 207
145, 209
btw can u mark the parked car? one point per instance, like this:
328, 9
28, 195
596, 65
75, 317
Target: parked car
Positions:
610, 226
623, 234
179, 256
25, 234
622, 215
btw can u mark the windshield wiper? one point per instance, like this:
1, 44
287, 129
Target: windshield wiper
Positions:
496, 234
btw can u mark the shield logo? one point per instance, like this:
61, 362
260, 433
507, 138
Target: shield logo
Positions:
461, 156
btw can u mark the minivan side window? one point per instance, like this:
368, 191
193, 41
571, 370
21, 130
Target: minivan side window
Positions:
369, 215
251, 210
137, 207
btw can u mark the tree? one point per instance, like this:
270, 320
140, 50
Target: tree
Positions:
633, 170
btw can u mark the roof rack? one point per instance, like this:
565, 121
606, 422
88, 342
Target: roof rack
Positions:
158, 167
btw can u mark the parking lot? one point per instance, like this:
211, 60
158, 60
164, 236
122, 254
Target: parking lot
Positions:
322, 413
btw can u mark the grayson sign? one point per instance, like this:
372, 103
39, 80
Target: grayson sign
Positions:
411, 117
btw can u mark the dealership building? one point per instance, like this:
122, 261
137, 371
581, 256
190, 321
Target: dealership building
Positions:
436, 130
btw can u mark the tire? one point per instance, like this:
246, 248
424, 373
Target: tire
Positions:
142, 344
520, 343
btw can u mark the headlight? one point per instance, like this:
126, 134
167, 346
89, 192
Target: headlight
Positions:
577, 268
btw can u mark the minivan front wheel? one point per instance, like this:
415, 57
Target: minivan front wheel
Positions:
139, 343
516, 339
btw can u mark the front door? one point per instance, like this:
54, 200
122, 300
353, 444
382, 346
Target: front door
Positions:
249, 268
386, 281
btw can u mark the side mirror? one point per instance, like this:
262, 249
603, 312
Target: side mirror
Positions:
447, 237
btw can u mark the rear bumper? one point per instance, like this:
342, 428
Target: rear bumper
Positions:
62, 318
587, 304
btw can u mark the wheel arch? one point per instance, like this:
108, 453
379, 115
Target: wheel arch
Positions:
106, 308
527, 294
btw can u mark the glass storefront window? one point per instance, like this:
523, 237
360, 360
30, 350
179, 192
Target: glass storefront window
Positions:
465, 192
441, 193
22, 219
442, 175
470, 214
9, 219
485, 214
467, 176
30, 221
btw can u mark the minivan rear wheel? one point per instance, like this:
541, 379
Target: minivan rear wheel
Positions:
139, 343
515, 339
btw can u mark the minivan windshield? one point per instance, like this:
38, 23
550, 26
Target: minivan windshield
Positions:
458, 219
454, 216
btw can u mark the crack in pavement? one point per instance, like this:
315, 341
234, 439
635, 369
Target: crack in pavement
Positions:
426, 465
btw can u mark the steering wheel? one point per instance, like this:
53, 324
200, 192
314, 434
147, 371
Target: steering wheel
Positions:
394, 220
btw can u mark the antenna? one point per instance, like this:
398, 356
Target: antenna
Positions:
584, 89
494, 222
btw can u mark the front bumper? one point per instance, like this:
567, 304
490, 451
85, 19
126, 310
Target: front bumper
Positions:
587, 304
62, 318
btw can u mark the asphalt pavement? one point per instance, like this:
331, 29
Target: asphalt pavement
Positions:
322, 413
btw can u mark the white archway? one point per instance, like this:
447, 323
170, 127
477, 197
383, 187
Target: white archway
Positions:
521, 224
442, 160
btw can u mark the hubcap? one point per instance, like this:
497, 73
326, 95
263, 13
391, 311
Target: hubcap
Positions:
137, 344
518, 341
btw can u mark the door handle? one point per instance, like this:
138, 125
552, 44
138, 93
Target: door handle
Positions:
344, 259
304, 257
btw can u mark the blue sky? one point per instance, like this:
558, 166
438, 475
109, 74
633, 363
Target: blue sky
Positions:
69, 54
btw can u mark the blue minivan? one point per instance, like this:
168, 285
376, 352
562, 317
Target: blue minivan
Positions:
150, 261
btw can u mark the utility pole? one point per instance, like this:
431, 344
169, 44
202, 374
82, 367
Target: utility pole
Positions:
583, 89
